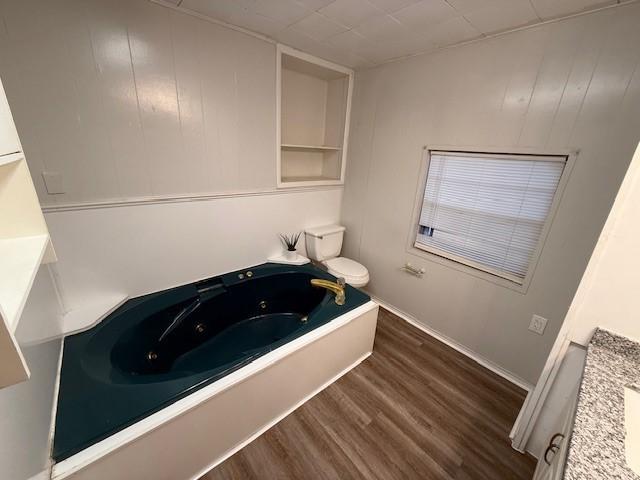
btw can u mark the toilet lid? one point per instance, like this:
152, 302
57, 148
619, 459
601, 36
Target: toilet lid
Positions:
347, 268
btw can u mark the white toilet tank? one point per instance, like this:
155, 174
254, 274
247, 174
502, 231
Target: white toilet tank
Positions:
324, 242
324, 245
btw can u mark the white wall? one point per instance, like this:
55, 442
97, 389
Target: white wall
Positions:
137, 249
608, 295
573, 84
125, 98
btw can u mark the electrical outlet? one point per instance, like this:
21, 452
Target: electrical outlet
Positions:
538, 324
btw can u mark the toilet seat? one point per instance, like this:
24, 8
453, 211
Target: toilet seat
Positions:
354, 273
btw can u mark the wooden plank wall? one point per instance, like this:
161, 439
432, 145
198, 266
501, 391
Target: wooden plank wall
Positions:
572, 84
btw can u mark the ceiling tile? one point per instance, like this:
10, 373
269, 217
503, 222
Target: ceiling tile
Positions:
425, 13
384, 28
379, 52
348, 59
286, 11
315, 4
237, 12
220, 9
450, 32
556, 8
350, 12
257, 23
296, 39
302, 42
318, 27
510, 14
466, 6
348, 41
360, 33
391, 6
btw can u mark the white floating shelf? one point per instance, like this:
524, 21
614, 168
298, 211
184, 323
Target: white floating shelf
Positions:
312, 148
20, 258
11, 157
298, 260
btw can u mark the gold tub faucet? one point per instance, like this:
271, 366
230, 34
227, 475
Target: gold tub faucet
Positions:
336, 287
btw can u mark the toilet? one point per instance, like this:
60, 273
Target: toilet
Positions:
324, 245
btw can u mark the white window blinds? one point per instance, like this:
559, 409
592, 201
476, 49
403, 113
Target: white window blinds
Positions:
488, 211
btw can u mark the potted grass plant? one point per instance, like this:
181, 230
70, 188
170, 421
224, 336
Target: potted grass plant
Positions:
290, 242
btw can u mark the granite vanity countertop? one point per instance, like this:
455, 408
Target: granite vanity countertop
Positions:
596, 449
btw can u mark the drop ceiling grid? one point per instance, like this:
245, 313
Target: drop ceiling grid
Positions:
363, 33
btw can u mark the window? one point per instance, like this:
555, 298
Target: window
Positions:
488, 211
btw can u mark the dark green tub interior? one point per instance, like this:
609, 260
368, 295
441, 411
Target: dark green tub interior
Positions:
158, 348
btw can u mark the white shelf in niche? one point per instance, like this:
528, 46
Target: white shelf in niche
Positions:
20, 258
310, 180
313, 148
313, 109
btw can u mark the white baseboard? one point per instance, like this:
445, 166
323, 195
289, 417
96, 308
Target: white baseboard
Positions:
266, 427
507, 375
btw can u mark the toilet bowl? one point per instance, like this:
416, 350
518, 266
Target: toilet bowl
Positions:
324, 244
354, 273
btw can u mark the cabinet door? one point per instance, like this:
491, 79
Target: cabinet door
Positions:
543, 471
555, 457
554, 470
9, 141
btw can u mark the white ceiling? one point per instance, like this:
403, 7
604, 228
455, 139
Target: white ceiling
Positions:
362, 33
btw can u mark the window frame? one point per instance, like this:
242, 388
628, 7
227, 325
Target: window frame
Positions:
469, 266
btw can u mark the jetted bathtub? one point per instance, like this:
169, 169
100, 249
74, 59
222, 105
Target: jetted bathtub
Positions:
161, 347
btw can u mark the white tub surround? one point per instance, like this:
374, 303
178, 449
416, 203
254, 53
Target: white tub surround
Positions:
219, 419
107, 253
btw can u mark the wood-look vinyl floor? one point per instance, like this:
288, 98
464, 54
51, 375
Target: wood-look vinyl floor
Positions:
415, 409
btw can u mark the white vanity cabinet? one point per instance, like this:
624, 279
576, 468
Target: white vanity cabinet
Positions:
24, 244
552, 461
